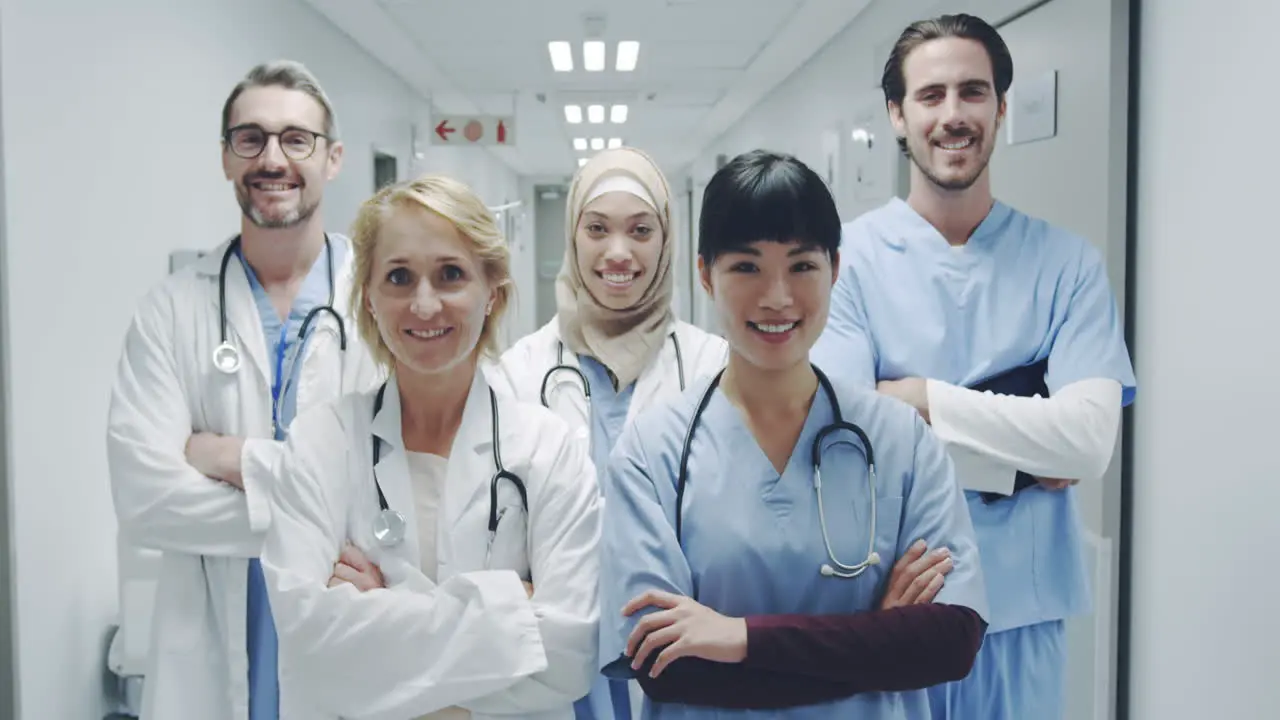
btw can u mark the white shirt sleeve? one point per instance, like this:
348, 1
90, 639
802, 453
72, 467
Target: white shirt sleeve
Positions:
1071, 435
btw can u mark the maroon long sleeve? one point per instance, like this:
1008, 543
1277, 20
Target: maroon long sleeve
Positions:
797, 660
899, 649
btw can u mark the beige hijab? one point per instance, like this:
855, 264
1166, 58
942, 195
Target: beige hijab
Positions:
624, 341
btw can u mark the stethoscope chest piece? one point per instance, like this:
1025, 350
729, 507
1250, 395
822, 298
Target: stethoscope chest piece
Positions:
389, 528
226, 358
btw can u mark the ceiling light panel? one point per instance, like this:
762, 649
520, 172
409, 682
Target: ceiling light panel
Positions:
618, 114
561, 55
579, 144
593, 55
595, 113
573, 114
628, 55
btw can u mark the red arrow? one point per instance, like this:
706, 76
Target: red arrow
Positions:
443, 130
502, 133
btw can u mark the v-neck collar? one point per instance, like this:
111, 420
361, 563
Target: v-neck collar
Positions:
799, 453
909, 227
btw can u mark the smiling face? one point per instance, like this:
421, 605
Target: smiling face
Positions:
427, 291
771, 299
273, 189
619, 240
950, 113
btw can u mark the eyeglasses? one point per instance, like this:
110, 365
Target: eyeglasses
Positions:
248, 141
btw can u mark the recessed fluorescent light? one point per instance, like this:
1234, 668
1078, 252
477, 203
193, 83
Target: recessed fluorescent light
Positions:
579, 144
582, 161
595, 114
573, 114
628, 53
615, 143
561, 55
618, 114
597, 143
593, 55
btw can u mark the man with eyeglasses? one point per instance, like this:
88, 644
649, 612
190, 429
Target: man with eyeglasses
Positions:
218, 360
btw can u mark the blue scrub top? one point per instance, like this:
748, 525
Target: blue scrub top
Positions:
908, 304
609, 408
751, 538
281, 337
608, 699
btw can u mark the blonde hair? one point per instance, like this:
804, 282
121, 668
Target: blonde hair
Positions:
456, 202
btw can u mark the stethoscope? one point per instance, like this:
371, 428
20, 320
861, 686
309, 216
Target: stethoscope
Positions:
835, 568
226, 357
390, 525
560, 366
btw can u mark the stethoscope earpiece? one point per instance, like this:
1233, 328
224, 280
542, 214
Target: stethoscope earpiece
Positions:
852, 571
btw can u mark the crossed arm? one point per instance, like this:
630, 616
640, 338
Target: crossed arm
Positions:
687, 653
1070, 435
684, 652
174, 490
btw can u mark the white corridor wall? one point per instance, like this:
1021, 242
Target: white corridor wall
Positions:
1205, 634
111, 160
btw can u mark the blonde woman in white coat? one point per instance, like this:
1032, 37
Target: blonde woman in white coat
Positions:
614, 347
394, 597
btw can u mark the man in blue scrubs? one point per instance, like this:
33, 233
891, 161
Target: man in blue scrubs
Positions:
1003, 332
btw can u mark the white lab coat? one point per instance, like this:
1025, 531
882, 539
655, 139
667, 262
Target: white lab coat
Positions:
473, 638
165, 389
522, 368
520, 371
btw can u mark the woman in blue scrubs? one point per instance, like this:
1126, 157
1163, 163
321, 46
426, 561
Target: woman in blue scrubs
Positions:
729, 581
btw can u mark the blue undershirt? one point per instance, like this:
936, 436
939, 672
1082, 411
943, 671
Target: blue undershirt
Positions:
281, 337
608, 699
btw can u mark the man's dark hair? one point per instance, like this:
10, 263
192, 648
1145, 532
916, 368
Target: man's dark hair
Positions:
763, 195
968, 27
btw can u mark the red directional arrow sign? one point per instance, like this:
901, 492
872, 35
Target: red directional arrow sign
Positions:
473, 130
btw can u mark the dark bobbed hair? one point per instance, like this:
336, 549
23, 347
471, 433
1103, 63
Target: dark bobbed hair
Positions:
769, 196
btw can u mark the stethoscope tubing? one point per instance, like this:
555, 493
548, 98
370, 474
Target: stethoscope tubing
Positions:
500, 471
836, 568
562, 366
226, 350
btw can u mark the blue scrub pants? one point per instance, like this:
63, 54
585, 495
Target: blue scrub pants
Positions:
264, 650
609, 699
1018, 675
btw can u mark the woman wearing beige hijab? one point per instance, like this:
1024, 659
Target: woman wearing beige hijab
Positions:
614, 347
